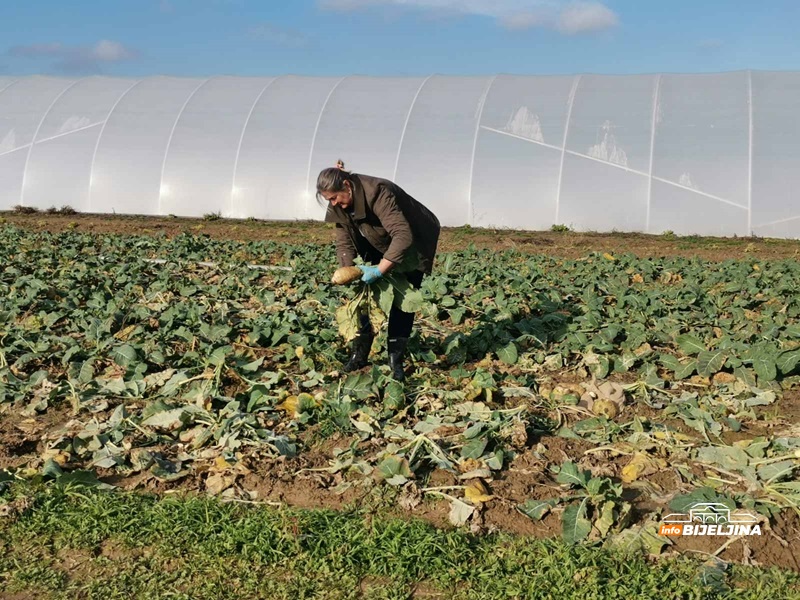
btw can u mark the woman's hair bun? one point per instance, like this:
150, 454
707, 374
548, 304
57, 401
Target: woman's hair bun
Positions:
340, 164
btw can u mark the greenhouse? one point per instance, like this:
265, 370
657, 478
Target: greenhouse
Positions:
711, 154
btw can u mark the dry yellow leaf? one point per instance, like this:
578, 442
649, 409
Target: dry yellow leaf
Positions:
634, 469
671, 277
221, 464
123, 334
608, 256
641, 464
671, 436
637, 278
59, 456
476, 492
487, 362
289, 405
298, 352
472, 392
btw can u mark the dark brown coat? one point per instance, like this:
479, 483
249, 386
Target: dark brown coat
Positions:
386, 223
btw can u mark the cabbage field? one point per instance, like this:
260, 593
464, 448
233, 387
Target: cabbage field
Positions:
584, 399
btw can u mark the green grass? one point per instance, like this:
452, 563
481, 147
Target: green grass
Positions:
192, 547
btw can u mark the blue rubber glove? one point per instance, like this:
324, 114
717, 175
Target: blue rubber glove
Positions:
371, 273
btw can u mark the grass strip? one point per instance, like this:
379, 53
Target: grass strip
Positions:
76, 542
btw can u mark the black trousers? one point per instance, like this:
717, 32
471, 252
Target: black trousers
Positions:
400, 323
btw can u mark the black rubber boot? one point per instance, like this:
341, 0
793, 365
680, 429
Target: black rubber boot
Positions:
397, 351
359, 352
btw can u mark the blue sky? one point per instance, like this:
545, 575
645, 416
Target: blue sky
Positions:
396, 37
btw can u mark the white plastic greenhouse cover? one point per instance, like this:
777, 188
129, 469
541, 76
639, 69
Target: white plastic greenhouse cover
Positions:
712, 154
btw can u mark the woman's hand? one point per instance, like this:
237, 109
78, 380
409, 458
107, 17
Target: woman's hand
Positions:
371, 273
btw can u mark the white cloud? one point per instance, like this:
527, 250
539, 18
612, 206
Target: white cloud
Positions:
581, 17
77, 59
278, 36
109, 52
566, 16
527, 20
